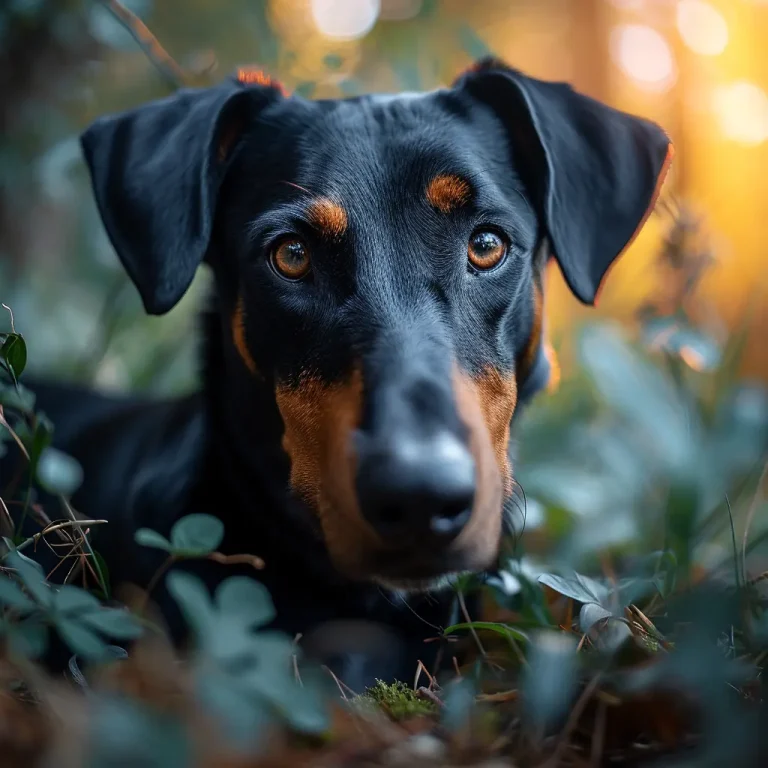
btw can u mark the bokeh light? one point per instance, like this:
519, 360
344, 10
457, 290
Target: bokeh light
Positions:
702, 27
742, 110
644, 55
345, 19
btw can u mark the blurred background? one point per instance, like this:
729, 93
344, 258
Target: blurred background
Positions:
698, 67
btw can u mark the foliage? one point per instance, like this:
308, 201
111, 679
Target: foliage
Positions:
627, 619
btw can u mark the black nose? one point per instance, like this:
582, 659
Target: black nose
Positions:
419, 489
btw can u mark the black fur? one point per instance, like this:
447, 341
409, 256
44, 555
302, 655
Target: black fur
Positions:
218, 174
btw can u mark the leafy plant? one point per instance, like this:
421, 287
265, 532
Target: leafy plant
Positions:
247, 678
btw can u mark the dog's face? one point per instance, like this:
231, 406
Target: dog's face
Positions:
378, 263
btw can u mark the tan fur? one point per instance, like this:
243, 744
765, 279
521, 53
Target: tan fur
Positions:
447, 192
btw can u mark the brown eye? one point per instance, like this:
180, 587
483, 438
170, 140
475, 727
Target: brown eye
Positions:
486, 249
291, 259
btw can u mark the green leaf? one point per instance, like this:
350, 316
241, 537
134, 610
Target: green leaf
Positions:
246, 600
41, 439
146, 537
578, 587
510, 633
70, 599
14, 353
193, 599
114, 622
17, 397
59, 473
101, 564
197, 534
32, 577
82, 640
12, 596
590, 614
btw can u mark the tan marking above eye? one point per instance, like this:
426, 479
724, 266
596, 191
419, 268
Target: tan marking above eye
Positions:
329, 217
447, 192
291, 258
486, 249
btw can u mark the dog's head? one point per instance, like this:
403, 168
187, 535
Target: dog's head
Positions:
378, 262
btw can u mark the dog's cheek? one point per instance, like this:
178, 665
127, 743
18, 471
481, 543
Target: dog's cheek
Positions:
319, 419
497, 398
480, 539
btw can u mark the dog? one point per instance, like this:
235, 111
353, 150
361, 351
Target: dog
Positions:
375, 328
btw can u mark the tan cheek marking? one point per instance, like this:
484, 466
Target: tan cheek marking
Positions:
447, 192
238, 337
480, 539
526, 360
497, 394
329, 217
318, 419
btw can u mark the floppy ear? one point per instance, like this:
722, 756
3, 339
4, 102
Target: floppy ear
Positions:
594, 173
156, 172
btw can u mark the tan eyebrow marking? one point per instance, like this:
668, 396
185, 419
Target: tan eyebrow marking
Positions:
447, 192
328, 216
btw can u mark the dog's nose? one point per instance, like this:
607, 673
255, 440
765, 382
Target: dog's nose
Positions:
416, 488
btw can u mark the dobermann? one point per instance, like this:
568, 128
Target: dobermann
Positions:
376, 324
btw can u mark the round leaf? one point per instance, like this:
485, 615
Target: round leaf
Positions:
197, 534
146, 537
82, 640
578, 587
31, 574
59, 473
245, 600
193, 599
71, 599
12, 596
14, 353
590, 614
113, 622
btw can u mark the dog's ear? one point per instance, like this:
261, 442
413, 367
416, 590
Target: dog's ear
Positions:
156, 172
594, 173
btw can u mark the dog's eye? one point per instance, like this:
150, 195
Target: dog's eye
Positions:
290, 258
486, 249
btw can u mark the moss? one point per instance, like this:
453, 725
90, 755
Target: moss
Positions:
396, 699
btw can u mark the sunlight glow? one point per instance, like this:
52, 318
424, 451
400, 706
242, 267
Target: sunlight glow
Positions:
644, 55
742, 110
345, 19
702, 27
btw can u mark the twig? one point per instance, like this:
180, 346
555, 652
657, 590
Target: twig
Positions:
341, 686
16, 438
253, 560
59, 526
174, 75
10, 312
158, 574
425, 693
750, 516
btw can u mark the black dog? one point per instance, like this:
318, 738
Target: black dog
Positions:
377, 322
